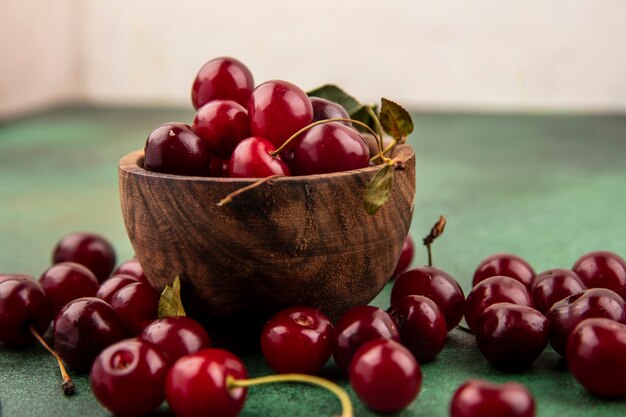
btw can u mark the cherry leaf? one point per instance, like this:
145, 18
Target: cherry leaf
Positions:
378, 189
335, 94
395, 120
363, 115
170, 303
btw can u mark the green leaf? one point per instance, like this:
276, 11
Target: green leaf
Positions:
378, 189
335, 94
395, 120
170, 303
362, 115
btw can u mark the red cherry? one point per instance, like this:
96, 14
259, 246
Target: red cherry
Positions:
278, 109
219, 167
325, 109
297, 340
554, 285
112, 285
88, 249
251, 159
136, 304
132, 268
196, 384
221, 124
67, 281
507, 265
385, 376
222, 78
601, 269
128, 378
176, 336
596, 354
476, 398
406, 257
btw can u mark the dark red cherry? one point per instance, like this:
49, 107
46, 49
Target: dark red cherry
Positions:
219, 167
357, 326
297, 340
222, 78
385, 376
325, 109
23, 302
511, 337
132, 268
435, 284
112, 285
222, 124
67, 281
278, 109
136, 304
554, 285
476, 398
330, 147
596, 354
498, 289
88, 249
196, 384
82, 329
592, 303
251, 159
507, 265
128, 378
176, 336
421, 324
601, 269
621, 292
406, 257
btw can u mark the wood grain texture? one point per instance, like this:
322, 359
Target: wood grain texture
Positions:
293, 240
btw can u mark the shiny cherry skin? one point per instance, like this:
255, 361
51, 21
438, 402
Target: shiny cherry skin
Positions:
221, 124
23, 302
592, 303
173, 148
498, 289
507, 265
176, 336
222, 78
83, 328
196, 384
132, 268
112, 285
422, 326
128, 378
554, 285
88, 249
325, 109
596, 354
477, 398
67, 281
278, 109
511, 337
385, 376
136, 305
601, 269
330, 147
435, 284
357, 326
251, 159
297, 340
406, 257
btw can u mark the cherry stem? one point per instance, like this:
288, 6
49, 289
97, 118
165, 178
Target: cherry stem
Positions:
387, 149
344, 399
242, 190
435, 232
379, 127
67, 385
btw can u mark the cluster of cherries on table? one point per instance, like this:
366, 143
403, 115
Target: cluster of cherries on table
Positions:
238, 129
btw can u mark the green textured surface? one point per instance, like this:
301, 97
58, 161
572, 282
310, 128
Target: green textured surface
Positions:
546, 187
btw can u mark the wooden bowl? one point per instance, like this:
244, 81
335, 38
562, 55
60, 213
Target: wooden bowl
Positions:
291, 241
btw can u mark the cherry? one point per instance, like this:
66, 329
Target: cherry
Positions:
112, 285
511, 337
621, 292
173, 148
223, 78
221, 124
421, 324
507, 265
328, 147
498, 289
278, 109
601, 269
128, 378
325, 109
435, 284
88, 249
554, 285
219, 167
23, 302
67, 281
593, 303
406, 257
132, 268
136, 304
385, 376
476, 398
251, 159
596, 354
196, 385
357, 326
83, 328
176, 336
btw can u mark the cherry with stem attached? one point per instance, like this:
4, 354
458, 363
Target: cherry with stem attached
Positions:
435, 232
